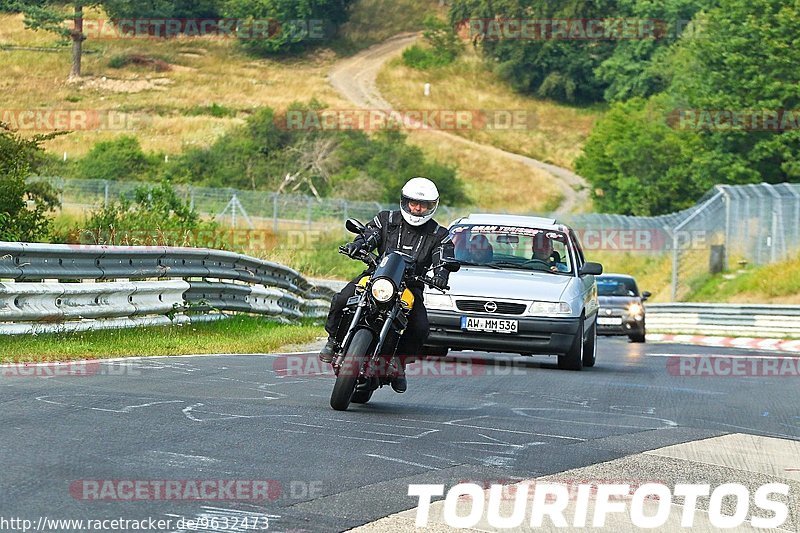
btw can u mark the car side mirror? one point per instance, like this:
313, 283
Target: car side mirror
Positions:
646, 295
591, 269
354, 226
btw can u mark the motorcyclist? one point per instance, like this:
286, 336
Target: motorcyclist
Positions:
410, 230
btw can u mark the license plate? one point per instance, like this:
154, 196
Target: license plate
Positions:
492, 325
609, 321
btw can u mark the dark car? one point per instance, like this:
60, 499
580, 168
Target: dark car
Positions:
621, 307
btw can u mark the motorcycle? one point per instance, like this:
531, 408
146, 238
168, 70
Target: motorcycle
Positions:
378, 316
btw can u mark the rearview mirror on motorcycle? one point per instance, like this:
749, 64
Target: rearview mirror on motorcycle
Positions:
451, 265
354, 226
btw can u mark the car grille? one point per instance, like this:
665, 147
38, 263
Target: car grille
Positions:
503, 308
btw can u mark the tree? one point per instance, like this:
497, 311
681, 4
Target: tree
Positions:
636, 66
744, 61
49, 15
638, 164
161, 9
727, 116
18, 158
550, 65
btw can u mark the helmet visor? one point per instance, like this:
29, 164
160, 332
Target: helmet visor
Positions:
418, 208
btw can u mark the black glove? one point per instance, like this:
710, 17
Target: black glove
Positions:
351, 248
439, 282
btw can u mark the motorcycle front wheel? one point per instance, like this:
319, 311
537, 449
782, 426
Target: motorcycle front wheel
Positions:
351, 367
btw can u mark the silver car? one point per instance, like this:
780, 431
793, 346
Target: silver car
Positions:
524, 287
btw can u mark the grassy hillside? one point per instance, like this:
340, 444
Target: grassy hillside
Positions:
776, 283
184, 91
188, 91
167, 105
553, 132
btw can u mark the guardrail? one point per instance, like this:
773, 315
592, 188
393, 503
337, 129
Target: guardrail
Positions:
53, 287
761, 320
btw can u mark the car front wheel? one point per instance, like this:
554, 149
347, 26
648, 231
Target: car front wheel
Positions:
573, 359
590, 347
639, 337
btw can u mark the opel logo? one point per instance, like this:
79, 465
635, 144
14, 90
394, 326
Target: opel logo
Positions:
490, 307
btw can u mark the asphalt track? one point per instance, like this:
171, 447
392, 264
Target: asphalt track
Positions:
244, 418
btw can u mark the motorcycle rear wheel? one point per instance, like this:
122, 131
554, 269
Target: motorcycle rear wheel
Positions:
351, 367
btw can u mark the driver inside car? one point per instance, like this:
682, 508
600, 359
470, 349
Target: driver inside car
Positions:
543, 251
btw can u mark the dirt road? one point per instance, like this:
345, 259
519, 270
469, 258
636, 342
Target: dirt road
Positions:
355, 78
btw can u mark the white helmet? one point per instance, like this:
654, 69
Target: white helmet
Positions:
420, 190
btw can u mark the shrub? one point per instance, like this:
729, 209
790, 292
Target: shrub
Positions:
23, 206
152, 215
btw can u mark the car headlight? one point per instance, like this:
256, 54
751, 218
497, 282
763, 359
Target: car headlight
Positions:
382, 290
550, 308
636, 310
438, 301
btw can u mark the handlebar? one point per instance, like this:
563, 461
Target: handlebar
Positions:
428, 281
372, 260
361, 255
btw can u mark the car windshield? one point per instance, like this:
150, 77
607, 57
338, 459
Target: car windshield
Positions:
616, 287
512, 247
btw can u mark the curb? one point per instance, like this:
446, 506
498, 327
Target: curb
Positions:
747, 343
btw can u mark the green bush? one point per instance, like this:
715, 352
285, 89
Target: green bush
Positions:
443, 48
421, 58
261, 154
152, 215
119, 159
24, 206
213, 110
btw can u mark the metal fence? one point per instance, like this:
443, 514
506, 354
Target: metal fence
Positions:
43, 287
239, 208
756, 224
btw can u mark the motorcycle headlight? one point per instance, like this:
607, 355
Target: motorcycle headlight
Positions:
382, 290
550, 308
